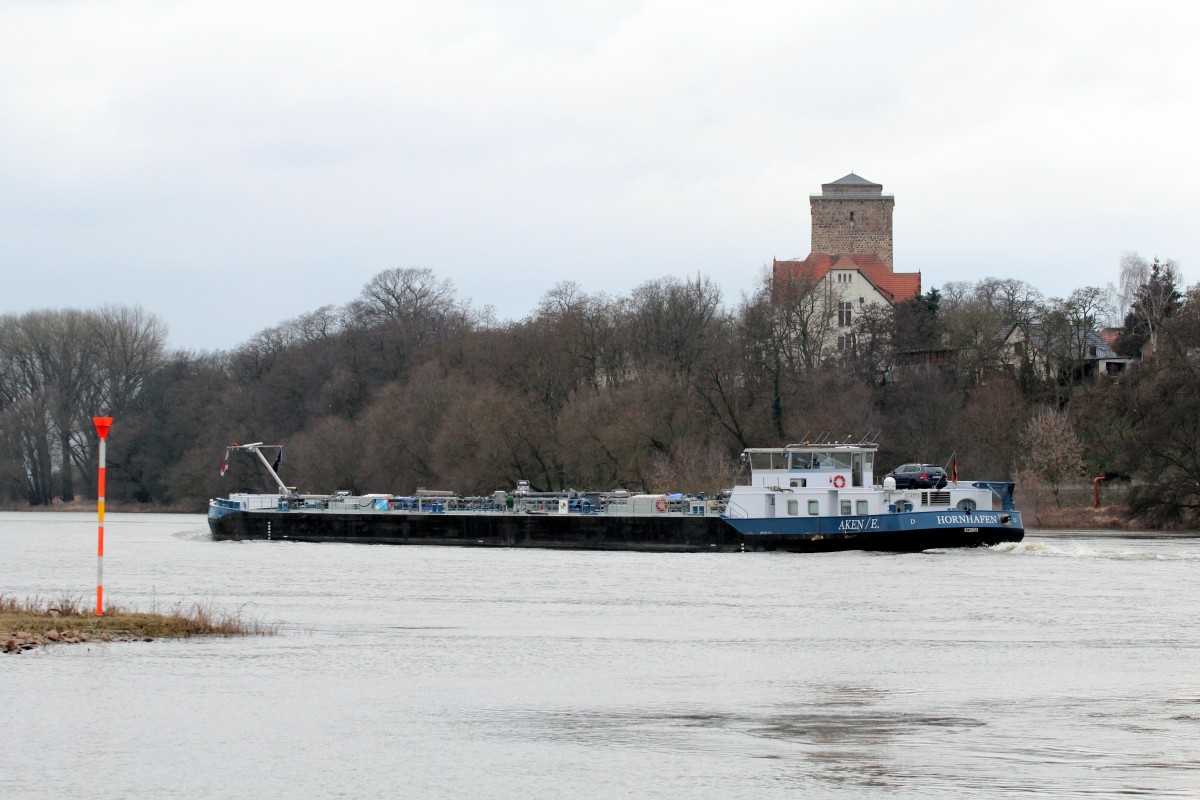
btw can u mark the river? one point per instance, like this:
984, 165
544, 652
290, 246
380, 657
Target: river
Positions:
1064, 666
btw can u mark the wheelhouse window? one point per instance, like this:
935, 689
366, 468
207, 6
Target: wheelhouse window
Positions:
768, 460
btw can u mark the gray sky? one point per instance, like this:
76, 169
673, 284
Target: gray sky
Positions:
228, 165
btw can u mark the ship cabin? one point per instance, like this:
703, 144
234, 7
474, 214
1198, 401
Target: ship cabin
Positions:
802, 466
837, 480
808, 480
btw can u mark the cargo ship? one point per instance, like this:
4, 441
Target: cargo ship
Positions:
806, 497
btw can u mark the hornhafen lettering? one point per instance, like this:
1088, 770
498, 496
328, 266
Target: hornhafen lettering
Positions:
967, 519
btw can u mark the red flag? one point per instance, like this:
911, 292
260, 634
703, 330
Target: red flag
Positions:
954, 470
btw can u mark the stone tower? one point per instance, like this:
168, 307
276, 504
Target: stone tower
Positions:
853, 215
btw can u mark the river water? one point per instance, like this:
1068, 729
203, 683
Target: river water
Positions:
1064, 666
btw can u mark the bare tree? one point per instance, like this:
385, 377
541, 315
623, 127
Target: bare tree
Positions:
409, 296
57, 370
1018, 301
318, 325
1134, 272
1151, 301
990, 415
1052, 449
787, 327
871, 352
131, 344
1161, 421
585, 329
805, 319
693, 466
674, 323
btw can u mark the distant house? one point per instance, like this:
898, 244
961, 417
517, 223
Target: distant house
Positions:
950, 363
1110, 336
850, 266
1068, 352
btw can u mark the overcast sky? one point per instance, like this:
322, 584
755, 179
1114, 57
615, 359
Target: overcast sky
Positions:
228, 165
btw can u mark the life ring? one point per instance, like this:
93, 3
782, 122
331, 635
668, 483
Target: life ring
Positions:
661, 504
839, 482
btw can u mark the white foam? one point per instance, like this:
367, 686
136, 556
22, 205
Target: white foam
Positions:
1081, 550
194, 535
1031, 548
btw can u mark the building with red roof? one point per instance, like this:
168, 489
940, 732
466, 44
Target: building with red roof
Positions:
851, 259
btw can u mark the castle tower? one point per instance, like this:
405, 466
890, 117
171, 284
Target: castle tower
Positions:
853, 215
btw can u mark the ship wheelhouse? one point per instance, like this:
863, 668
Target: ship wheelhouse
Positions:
809, 466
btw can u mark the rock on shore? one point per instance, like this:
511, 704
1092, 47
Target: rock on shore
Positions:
21, 641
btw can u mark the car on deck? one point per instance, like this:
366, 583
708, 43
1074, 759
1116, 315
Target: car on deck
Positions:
918, 476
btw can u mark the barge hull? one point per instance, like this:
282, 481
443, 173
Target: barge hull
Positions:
575, 532
681, 534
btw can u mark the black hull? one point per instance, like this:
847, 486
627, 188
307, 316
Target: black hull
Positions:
575, 532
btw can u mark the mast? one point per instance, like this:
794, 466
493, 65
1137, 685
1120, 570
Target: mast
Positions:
256, 449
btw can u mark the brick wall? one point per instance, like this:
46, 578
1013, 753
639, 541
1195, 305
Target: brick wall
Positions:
870, 230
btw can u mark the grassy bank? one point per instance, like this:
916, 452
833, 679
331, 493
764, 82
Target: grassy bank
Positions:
30, 623
1111, 518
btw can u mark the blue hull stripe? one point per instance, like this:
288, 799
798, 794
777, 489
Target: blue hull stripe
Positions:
903, 523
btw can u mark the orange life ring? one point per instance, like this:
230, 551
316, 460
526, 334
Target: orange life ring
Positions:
839, 482
661, 504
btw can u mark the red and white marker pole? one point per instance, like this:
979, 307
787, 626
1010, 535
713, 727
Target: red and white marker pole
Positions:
102, 425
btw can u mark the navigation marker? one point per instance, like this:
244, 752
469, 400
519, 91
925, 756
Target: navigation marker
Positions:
102, 425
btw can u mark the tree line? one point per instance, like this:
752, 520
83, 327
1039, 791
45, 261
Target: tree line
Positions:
410, 386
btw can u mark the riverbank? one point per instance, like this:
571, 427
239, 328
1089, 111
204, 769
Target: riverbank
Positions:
1107, 518
32, 623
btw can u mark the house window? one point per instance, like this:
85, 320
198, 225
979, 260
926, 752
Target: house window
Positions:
862, 507
793, 507
846, 508
814, 507
845, 314
846, 343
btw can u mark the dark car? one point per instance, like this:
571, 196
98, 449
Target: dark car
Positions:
918, 476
